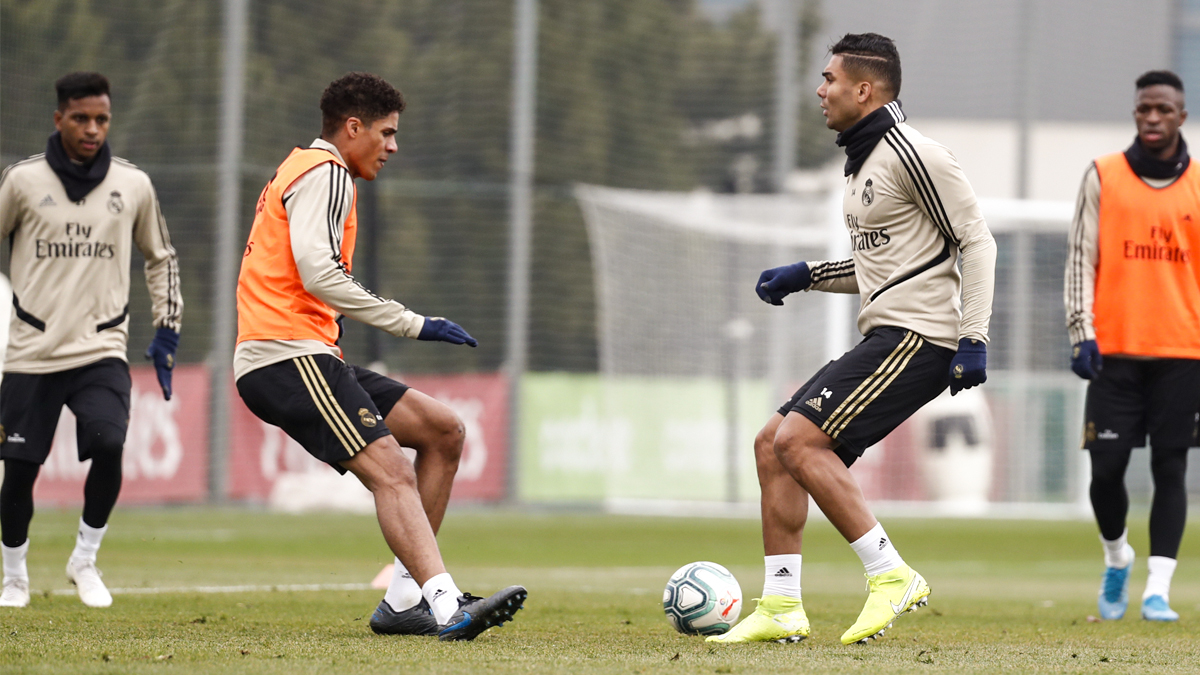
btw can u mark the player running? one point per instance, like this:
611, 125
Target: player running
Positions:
1132, 293
912, 217
73, 214
295, 281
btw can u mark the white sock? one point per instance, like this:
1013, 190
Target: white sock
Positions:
14, 561
87, 542
876, 551
1118, 552
1162, 569
783, 575
442, 596
403, 592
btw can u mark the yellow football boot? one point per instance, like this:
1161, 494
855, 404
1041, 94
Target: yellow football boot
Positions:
892, 594
778, 618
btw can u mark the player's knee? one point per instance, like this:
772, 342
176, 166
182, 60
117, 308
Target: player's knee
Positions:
103, 442
764, 451
1168, 467
451, 438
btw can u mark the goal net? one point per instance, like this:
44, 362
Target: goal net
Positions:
693, 363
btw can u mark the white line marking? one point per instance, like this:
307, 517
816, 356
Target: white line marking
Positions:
286, 588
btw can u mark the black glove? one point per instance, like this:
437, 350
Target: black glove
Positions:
776, 283
162, 352
445, 330
1086, 360
969, 366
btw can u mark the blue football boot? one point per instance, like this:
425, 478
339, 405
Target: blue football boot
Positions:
1155, 608
476, 614
1114, 591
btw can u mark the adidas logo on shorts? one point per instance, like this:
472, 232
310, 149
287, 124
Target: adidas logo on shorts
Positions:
814, 403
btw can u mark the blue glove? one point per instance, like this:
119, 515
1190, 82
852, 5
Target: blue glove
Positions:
445, 330
1086, 360
775, 284
162, 352
969, 366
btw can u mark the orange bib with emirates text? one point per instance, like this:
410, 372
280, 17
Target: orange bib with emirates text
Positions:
271, 301
1148, 282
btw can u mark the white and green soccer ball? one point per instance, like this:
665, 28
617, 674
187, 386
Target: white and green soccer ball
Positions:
702, 598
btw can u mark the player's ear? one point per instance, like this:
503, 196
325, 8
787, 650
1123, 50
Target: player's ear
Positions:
864, 91
1182, 116
58, 116
353, 127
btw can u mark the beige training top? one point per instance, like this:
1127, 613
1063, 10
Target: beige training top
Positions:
70, 265
911, 216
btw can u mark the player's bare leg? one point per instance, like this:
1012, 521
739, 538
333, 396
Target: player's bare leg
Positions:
784, 502
780, 615
430, 427
807, 454
392, 479
895, 588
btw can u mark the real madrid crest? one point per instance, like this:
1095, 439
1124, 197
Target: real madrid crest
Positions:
868, 193
366, 417
115, 203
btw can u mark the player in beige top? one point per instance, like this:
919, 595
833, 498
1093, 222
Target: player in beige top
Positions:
912, 219
72, 216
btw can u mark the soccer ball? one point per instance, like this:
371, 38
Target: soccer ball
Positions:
702, 598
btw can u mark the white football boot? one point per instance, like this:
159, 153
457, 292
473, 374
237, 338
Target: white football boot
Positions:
86, 577
16, 592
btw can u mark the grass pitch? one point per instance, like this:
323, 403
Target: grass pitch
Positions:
1007, 597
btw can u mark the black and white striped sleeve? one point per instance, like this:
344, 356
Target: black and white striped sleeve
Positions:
1083, 254
940, 189
833, 276
162, 263
317, 205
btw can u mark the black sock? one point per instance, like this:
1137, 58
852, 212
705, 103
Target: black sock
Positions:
16, 501
1110, 501
1168, 511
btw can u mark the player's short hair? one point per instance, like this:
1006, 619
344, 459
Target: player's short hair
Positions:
363, 95
80, 85
1153, 77
870, 55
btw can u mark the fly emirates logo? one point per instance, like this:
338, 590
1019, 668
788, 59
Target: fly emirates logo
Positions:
77, 244
865, 240
1163, 246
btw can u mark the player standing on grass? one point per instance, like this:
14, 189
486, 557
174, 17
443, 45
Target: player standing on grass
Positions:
912, 218
72, 214
1133, 314
295, 280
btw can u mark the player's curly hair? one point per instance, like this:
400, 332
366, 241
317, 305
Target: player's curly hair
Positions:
80, 85
870, 55
363, 95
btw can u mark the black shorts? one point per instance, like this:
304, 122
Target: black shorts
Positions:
1132, 398
30, 405
332, 409
864, 395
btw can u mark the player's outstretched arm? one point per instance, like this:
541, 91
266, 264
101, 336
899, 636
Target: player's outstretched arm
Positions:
162, 279
317, 204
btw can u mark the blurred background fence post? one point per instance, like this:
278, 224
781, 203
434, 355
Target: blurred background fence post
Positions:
520, 196
224, 285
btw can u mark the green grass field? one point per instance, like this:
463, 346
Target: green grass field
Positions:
1007, 597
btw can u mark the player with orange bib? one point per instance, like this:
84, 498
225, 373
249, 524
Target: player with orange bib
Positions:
294, 285
1133, 313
